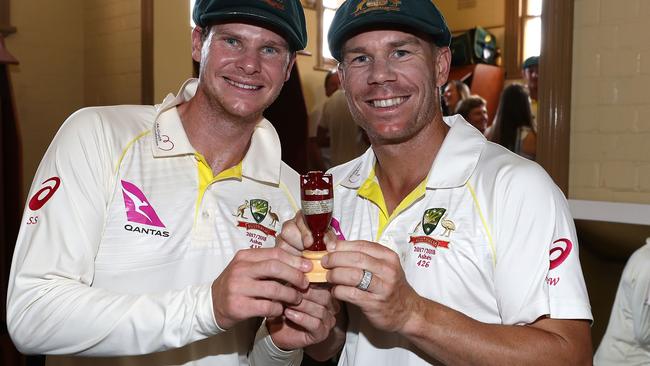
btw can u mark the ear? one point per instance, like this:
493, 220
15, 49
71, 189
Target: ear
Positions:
292, 61
341, 74
197, 44
443, 65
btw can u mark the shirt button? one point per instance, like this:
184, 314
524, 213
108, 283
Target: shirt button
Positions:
205, 214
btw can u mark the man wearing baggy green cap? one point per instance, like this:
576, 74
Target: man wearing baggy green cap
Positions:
450, 249
149, 235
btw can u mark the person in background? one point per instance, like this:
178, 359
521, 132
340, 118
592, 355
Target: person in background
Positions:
455, 92
513, 124
443, 254
474, 110
345, 139
627, 339
319, 147
149, 235
530, 73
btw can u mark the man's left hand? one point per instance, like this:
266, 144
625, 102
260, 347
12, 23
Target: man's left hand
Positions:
389, 299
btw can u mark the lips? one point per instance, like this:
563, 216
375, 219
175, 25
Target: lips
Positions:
242, 85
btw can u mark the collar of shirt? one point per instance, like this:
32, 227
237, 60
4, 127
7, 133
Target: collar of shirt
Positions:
262, 161
452, 167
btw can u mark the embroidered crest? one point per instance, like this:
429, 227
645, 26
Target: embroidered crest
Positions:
430, 219
259, 209
370, 5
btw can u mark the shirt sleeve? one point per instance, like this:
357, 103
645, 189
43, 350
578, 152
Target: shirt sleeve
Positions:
567, 289
524, 211
639, 295
266, 353
52, 307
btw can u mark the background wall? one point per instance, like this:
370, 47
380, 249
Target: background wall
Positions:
112, 44
610, 126
172, 46
49, 82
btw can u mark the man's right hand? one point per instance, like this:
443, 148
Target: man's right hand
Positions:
253, 285
296, 236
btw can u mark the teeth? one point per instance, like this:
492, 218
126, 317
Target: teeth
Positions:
243, 86
385, 103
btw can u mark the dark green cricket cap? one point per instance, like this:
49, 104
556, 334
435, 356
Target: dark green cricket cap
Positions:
354, 16
286, 16
531, 61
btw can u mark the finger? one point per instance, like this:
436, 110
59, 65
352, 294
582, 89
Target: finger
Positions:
321, 295
310, 323
284, 245
350, 277
357, 260
307, 238
265, 254
352, 295
372, 249
278, 271
273, 291
330, 240
290, 235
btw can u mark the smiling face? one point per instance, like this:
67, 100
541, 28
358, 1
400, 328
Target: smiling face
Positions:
451, 96
392, 79
243, 68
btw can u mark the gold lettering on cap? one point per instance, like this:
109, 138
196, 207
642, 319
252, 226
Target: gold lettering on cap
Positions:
370, 5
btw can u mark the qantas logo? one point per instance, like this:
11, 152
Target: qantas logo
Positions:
138, 208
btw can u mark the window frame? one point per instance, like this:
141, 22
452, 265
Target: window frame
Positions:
322, 63
516, 18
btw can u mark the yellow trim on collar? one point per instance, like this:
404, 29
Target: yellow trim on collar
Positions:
206, 177
371, 191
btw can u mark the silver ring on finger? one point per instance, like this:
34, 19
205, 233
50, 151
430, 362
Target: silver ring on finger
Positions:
365, 280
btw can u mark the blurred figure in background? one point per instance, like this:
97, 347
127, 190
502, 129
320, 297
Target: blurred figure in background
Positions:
318, 149
474, 110
455, 92
530, 74
346, 139
627, 339
513, 124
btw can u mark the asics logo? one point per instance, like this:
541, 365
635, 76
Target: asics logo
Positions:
560, 250
138, 208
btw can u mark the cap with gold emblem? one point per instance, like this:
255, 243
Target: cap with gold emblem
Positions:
286, 16
356, 15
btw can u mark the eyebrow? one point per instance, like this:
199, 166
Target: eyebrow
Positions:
395, 44
267, 43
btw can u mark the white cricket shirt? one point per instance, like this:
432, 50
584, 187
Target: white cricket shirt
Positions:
475, 236
126, 228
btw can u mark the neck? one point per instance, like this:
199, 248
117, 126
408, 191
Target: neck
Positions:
222, 139
402, 167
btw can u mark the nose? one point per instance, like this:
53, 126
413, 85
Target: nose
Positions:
249, 62
381, 72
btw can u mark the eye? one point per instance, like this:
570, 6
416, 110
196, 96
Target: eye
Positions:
270, 50
361, 59
401, 53
231, 41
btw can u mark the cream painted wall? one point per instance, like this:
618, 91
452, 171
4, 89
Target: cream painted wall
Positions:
172, 47
610, 124
48, 83
112, 52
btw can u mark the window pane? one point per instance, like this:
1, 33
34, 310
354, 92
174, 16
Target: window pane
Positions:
334, 4
328, 15
532, 37
534, 7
